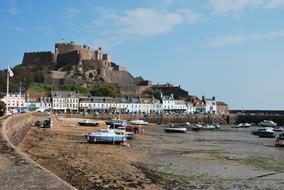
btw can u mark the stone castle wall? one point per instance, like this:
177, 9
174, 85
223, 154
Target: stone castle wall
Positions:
70, 58
38, 58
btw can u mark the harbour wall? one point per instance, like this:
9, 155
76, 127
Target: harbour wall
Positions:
155, 118
236, 118
18, 171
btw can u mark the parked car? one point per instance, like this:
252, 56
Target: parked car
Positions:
38, 123
46, 124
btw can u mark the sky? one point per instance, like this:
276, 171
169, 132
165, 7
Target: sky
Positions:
230, 49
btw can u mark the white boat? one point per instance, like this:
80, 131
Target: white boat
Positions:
175, 130
138, 122
87, 122
105, 136
244, 125
267, 123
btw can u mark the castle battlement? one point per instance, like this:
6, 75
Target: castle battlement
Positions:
38, 52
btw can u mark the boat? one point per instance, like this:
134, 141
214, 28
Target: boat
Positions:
256, 132
105, 136
195, 128
267, 133
278, 129
217, 126
244, 125
280, 140
267, 123
87, 122
115, 123
138, 122
175, 129
126, 131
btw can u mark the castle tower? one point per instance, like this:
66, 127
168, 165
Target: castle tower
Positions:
100, 53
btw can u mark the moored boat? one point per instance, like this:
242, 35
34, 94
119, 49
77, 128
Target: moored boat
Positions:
138, 122
88, 122
267, 123
267, 133
175, 129
105, 136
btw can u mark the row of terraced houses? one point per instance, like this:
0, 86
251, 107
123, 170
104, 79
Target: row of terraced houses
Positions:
72, 102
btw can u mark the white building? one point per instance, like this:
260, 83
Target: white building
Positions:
97, 104
210, 105
172, 105
65, 101
119, 105
150, 105
190, 108
14, 100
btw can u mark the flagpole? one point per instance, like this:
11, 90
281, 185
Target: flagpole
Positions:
7, 104
20, 97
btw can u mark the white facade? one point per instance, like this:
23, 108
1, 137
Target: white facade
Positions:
172, 105
14, 100
210, 105
190, 108
119, 105
97, 104
65, 101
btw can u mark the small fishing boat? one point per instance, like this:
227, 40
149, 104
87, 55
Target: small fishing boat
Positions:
195, 128
278, 129
267, 123
175, 129
244, 125
138, 122
87, 122
105, 136
267, 133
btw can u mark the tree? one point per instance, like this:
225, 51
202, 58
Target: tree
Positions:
105, 90
153, 92
2, 108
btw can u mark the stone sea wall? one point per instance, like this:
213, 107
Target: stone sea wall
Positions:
17, 170
156, 118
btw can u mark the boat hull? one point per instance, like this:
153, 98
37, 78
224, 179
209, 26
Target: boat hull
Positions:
90, 124
175, 130
105, 139
266, 134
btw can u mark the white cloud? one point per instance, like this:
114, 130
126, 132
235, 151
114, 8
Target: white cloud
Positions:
232, 6
237, 6
146, 21
274, 4
240, 39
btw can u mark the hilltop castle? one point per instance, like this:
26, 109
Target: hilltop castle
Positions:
76, 64
67, 52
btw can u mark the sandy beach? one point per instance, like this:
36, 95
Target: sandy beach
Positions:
221, 159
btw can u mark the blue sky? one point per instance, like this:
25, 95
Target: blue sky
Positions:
231, 49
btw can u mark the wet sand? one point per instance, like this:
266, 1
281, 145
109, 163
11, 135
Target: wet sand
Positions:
222, 159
